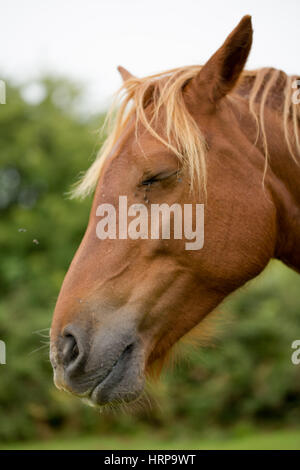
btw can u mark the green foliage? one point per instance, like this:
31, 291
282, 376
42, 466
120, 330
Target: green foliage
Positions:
42, 150
245, 378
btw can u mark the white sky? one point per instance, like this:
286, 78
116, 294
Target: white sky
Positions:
86, 39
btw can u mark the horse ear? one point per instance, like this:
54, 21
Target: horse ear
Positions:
124, 73
220, 74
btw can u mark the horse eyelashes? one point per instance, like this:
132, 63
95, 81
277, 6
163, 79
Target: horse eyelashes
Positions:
157, 178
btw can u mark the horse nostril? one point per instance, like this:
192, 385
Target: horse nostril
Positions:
70, 350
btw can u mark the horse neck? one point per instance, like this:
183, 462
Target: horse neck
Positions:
283, 171
284, 178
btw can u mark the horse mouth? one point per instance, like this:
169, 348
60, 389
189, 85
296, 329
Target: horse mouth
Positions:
118, 384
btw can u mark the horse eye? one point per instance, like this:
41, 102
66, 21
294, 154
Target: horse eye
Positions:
156, 178
151, 180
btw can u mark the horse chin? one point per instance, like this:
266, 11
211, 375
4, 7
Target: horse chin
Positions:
109, 392
101, 396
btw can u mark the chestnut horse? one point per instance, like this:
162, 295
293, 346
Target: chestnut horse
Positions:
212, 134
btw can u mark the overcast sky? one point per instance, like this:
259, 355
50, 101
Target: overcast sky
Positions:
86, 39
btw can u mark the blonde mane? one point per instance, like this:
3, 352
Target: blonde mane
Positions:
182, 135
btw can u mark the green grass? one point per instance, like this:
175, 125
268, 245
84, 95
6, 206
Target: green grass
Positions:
282, 440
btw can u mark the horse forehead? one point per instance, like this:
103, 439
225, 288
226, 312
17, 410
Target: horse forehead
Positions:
146, 145
134, 147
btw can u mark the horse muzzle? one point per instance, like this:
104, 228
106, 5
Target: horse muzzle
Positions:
102, 367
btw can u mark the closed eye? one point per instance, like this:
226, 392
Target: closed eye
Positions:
158, 177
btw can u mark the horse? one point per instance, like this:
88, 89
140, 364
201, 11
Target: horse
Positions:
216, 135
